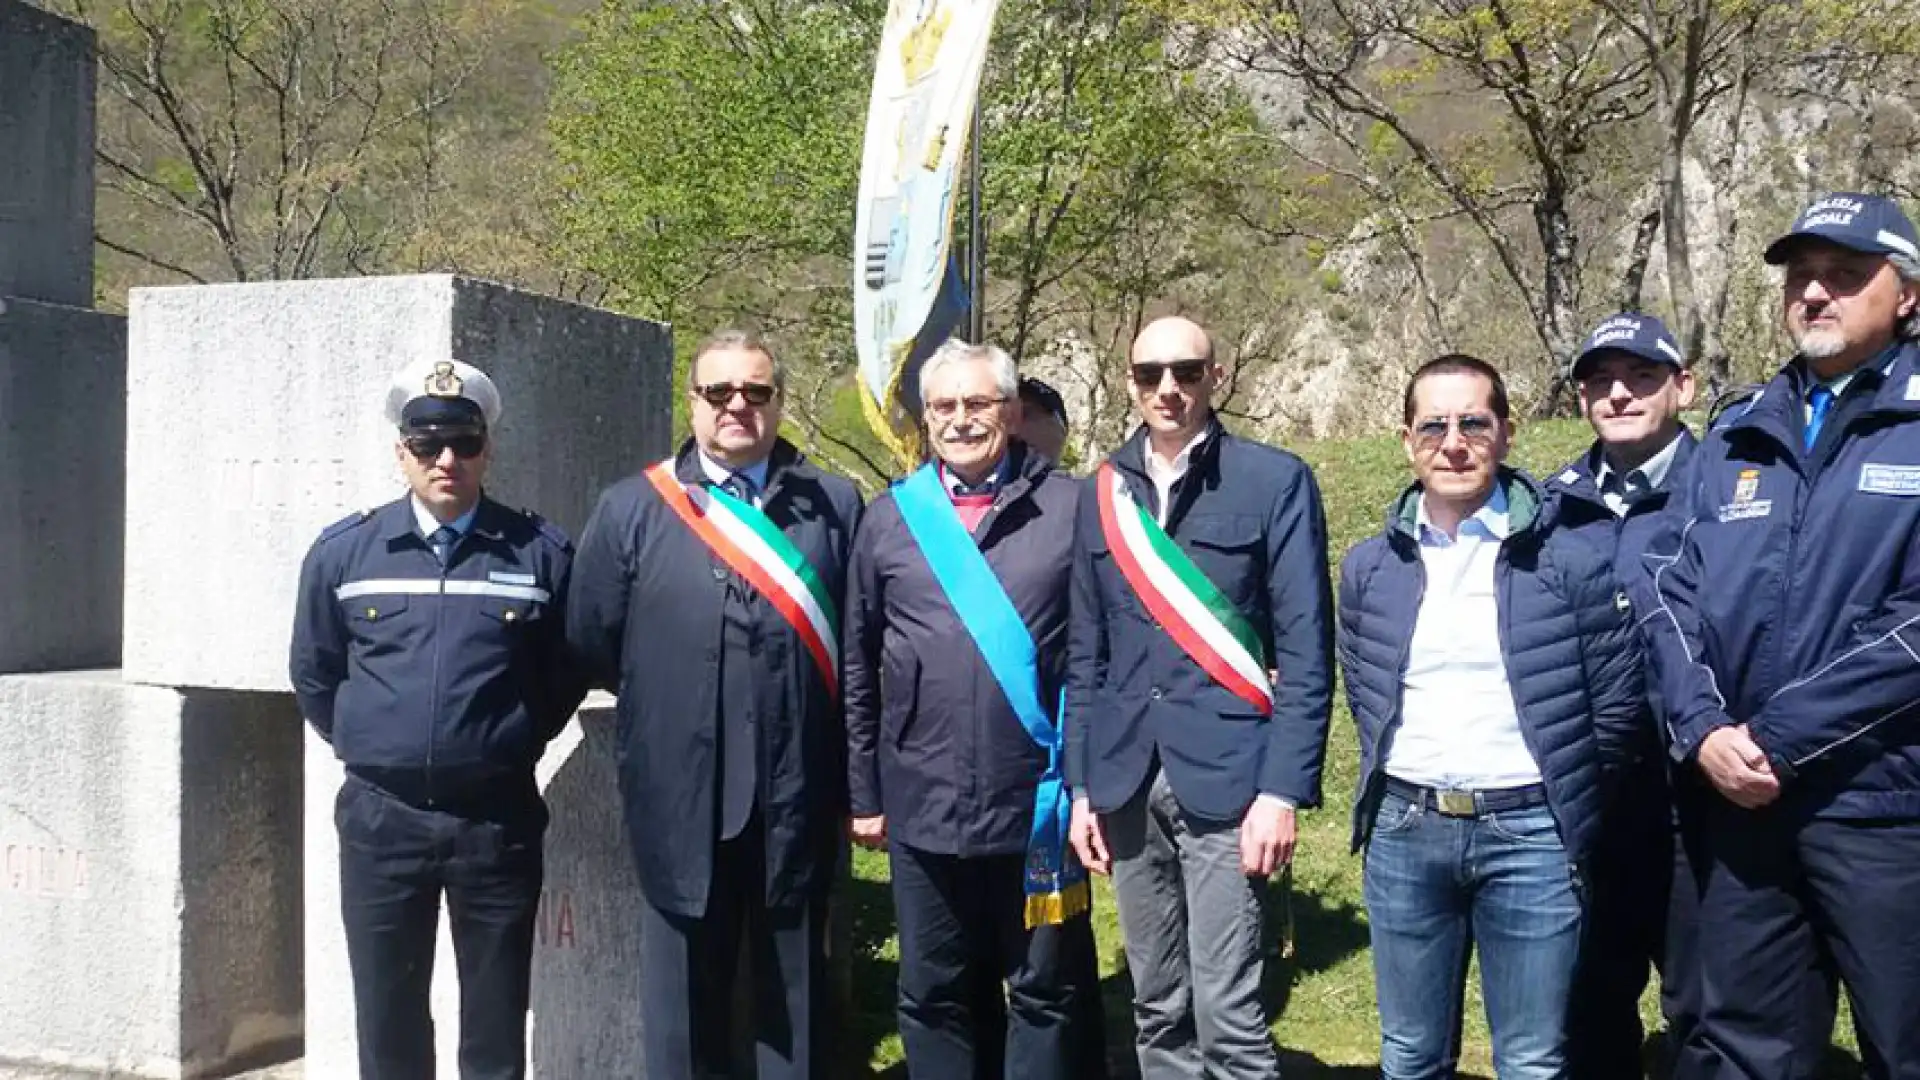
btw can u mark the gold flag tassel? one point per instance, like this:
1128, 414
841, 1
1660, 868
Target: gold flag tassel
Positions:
1056, 907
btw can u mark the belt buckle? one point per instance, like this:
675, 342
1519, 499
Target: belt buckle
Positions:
1456, 803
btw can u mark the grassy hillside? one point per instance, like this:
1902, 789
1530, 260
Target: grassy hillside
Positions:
1324, 997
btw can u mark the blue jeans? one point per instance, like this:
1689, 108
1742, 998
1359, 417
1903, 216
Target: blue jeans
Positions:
1436, 886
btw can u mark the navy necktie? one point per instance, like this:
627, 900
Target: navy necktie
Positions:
740, 487
442, 541
1820, 403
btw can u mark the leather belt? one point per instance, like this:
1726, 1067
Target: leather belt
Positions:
1464, 803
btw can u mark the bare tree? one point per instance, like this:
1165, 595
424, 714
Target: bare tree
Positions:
1560, 78
273, 139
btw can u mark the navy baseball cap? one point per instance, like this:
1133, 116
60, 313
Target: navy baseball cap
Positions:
1032, 389
1873, 224
1643, 336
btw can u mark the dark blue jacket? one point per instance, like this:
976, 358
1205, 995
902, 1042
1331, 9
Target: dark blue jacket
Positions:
644, 616
1249, 516
1790, 592
1573, 660
435, 682
932, 742
1624, 541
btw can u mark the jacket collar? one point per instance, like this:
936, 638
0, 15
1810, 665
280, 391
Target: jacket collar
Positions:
784, 464
1526, 504
397, 522
1580, 479
1132, 455
1776, 410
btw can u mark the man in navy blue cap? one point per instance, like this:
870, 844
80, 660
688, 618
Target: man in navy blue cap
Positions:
1633, 383
429, 652
1043, 418
1787, 637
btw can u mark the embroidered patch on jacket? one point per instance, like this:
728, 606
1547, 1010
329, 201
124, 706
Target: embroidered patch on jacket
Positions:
1913, 388
1890, 479
1746, 503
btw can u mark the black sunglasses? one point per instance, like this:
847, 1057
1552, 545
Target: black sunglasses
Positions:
720, 395
1185, 372
428, 447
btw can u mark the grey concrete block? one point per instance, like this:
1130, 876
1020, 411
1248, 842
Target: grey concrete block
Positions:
586, 1007
150, 868
46, 156
255, 419
63, 385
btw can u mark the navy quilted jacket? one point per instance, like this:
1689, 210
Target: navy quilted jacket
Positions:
1573, 658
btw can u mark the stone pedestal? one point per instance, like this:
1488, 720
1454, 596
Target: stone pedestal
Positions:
586, 1008
150, 868
255, 420
63, 386
46, 156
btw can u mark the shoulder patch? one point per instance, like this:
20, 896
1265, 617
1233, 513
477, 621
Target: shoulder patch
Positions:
346, 524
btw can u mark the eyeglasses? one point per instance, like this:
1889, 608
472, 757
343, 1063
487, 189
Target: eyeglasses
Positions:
720, 395
1185, 372
1475, 428
948, 408
428, 447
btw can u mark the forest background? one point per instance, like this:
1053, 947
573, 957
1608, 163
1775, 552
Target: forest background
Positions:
1339, 188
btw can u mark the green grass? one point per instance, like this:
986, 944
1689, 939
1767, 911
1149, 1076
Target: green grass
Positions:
1326, 1022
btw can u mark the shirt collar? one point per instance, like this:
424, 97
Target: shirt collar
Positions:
1654, 470
1161, 469
428, 523
1490, 522
720, 474
994, 481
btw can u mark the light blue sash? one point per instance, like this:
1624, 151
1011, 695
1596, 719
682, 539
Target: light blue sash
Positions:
1056, 884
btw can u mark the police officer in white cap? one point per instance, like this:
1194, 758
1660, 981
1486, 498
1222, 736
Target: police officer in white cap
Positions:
428, 651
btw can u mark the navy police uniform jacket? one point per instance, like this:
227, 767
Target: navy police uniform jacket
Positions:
645, 617
1789, 594
1624, 540
435, 683
1249, 516
933, 743
1572, 657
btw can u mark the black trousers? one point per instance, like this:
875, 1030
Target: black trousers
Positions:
1790, 904
981, 996
1642, 916
688, 968
396, 861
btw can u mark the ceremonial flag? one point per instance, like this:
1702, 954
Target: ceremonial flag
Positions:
908, 295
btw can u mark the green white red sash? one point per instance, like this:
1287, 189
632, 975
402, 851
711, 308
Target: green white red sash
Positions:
1192, 608
754, 547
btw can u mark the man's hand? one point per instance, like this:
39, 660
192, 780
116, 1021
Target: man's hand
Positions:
1089, 837
1736, 765
870, 832
1266, 836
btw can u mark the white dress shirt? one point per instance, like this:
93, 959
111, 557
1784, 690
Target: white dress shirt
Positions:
1459, 727
1165, 473
720, 474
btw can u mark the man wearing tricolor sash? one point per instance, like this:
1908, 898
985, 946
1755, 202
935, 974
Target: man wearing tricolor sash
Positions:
705, 594
955, 657
1200, 570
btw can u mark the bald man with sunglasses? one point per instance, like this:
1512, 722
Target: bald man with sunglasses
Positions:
706, 595
1200, 568
428, 652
